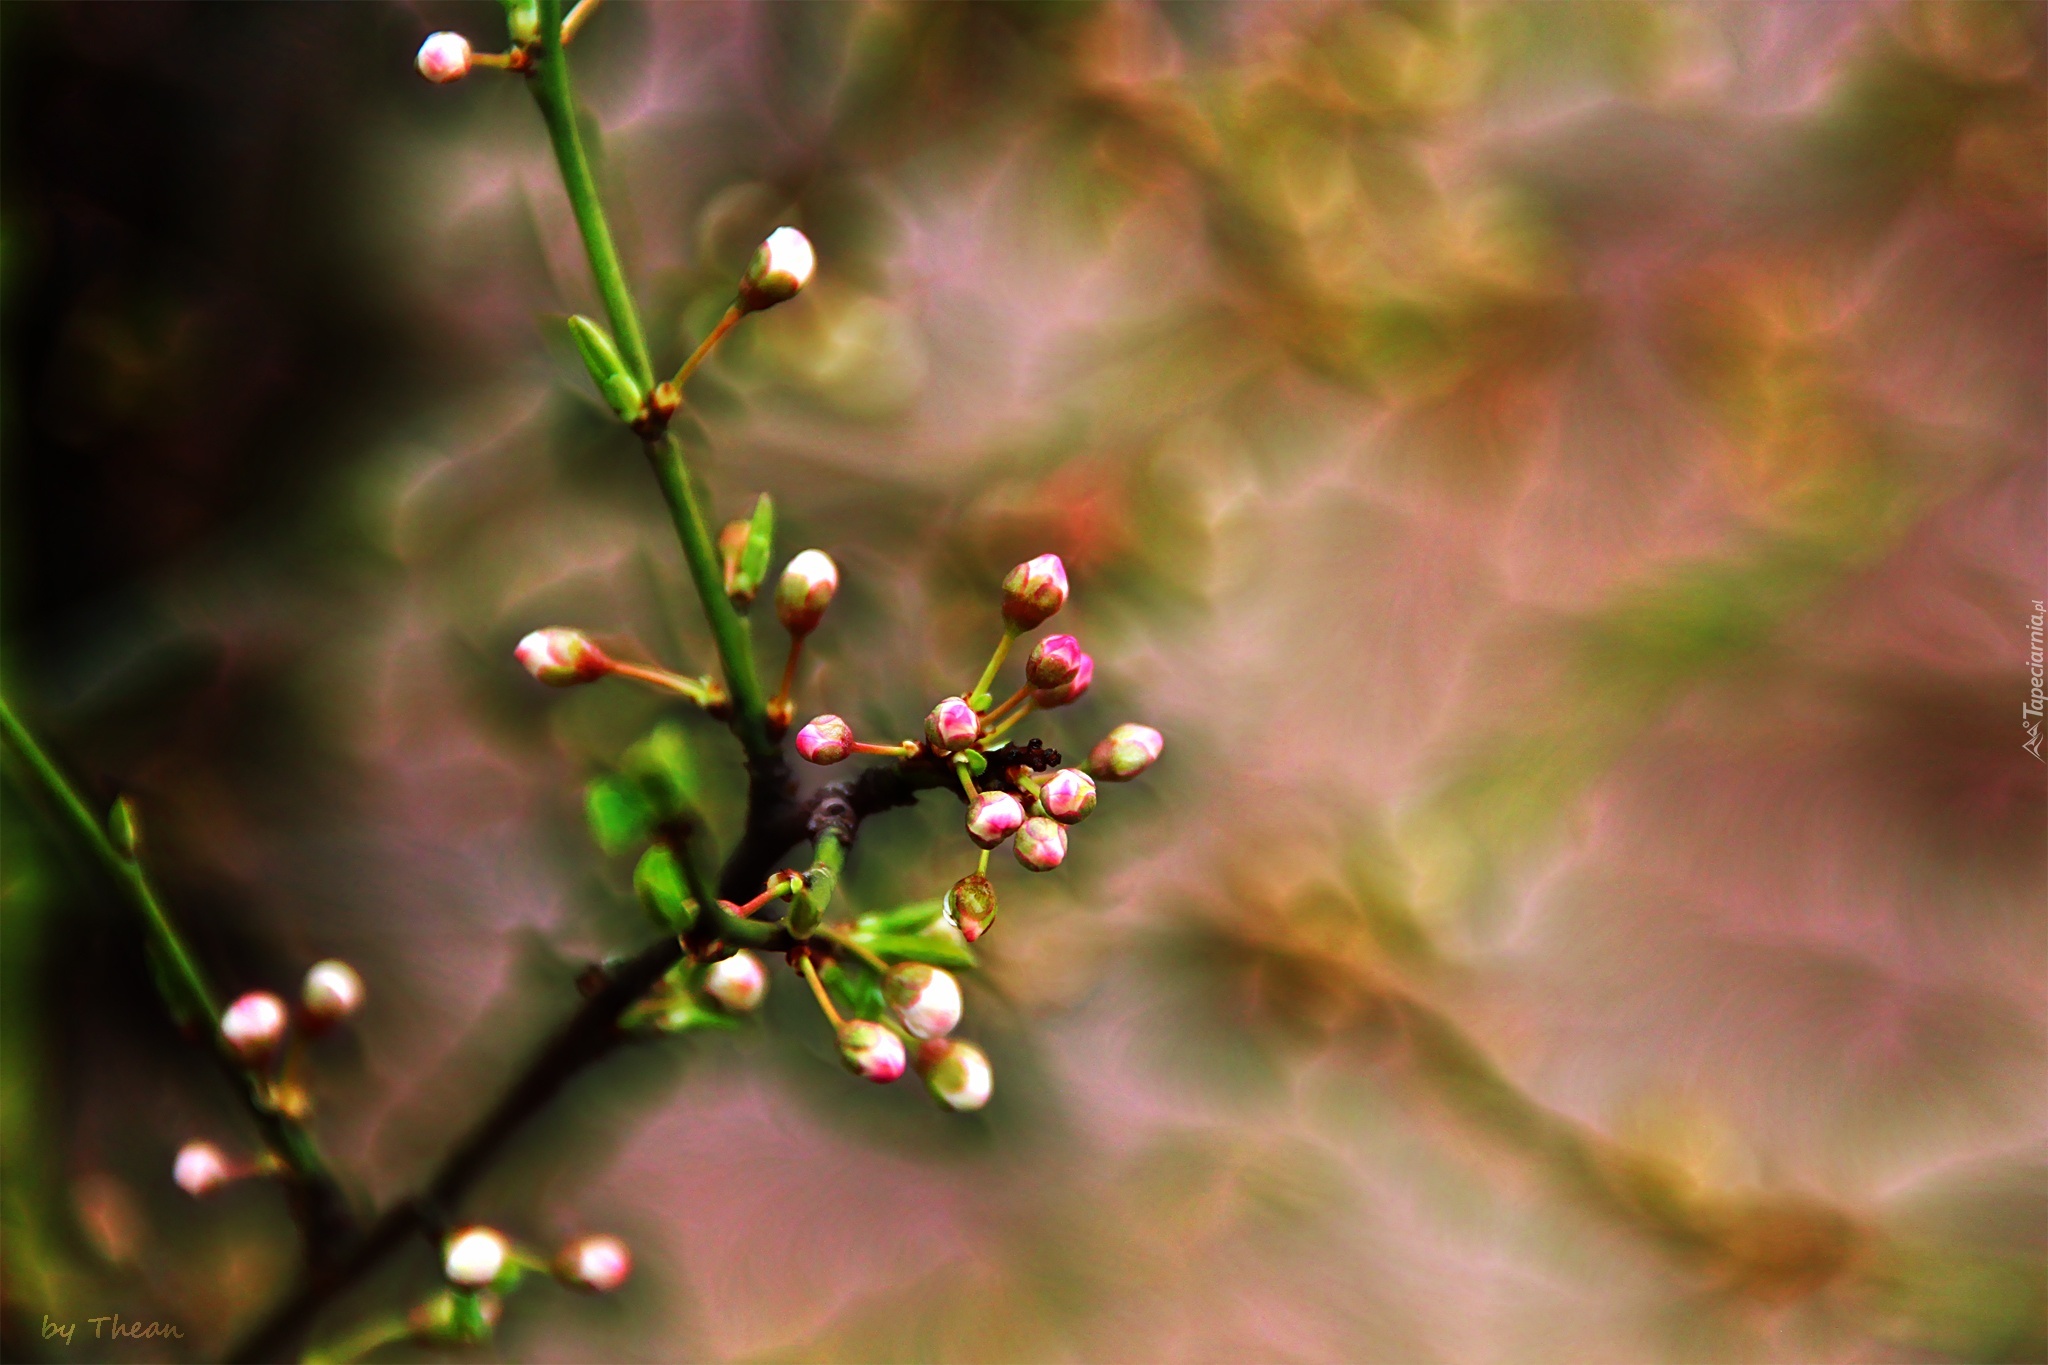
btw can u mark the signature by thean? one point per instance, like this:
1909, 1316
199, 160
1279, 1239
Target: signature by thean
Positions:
111, 1327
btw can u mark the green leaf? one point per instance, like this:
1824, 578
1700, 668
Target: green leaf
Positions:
662, 767
861, 990
607, 368
620, 816
904, 919
684, 1014
658, 882
123, 828
760, 541
931, 948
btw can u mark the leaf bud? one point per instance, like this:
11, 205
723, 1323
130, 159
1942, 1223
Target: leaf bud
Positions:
1068, 796
1125, 752
1034, 590
253, 1026
1041, 843
827, 739
607, 368
871, 1051
1054, 661
123, 827
952, 725
808, 584
597, 1264
925, 999
971, 905
993, 817
737, 982
781, 266
561, 657
957, 1074
444, 57
331, 993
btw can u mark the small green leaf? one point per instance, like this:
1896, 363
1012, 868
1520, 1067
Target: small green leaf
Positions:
123, 828
658, 882
939, 952
904, 919
980, 702
607, 368
662, 766
861, 990
620, 816
760, 542
522, 22
974, 760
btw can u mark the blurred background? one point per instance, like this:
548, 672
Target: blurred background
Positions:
1567, 480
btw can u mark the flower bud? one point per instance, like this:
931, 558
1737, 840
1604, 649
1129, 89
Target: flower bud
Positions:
1034, 590
957, 1074
1068, 796
993, 817
828, 739
1054, 661
598, 1263
1041, 843
971, 905
808, 583
253, 1026
475, 1257
1069, 691
1125, 752
952, 725
870, 1051
925, 999
444, 57
200, 1169
737, 982
781, 266
561, 657
331, 993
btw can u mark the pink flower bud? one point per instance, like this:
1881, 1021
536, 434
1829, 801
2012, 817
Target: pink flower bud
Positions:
561, 657
1069, 691
925, 999
952, 725
598, 1263
331, 993
870, 1051
971, 905
1041, 843
737, 982
200, 1169
993, 817
957, 1074
828, 739
475, 1257
1054, 661
253, 1026
1034, 590
1068, 796
781, 266
808, 583
1125, 752
444, 57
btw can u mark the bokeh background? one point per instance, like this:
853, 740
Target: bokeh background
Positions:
1567, 479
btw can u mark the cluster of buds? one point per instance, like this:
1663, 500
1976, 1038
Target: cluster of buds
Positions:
482, 1265
922, 1004
1020, 795
262, 1033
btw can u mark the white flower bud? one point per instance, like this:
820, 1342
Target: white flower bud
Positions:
253, 1026
444, 57
925, 999
200, 1169
957, 1074
781, 267
737, 982
475, 1257
808, 584
332, 992
597, 1263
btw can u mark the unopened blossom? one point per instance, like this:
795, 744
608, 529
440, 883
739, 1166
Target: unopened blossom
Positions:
1069, 691
1041, 843
1068, 796
925, 999
828, 739
1033, 591
781, 266
870, 1051
971, 905
253, 1026
1054, 660
993, 817
332, 992
561, 657
1125, 752
598, 1263
737, 982
200, 1169
808, 584
444, 57
951, 726
475, 1257
957, 1074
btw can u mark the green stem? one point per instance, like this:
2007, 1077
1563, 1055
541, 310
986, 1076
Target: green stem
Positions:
551, 91
807, 910
359, 1343
326, 1207
995, 660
